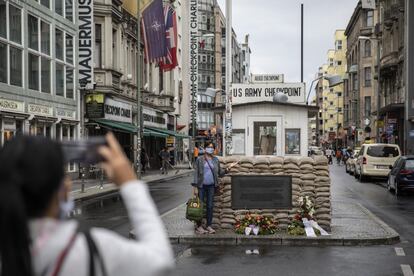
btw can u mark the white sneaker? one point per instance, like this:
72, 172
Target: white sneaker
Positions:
200, 230
211, 230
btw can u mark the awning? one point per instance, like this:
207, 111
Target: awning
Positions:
168, 132
126, 127
130, 128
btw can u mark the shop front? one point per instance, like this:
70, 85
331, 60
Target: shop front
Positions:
12, 117
392, 130
105, 113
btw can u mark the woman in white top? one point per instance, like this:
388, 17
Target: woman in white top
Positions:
35, 240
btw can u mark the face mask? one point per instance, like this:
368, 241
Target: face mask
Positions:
65, 207
209, 150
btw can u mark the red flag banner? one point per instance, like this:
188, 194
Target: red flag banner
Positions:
169, 62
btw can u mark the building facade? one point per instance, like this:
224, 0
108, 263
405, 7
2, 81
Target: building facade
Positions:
361, 85
38, 70
391, 34
330, 99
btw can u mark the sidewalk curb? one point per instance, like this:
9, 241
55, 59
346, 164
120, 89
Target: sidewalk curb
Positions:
283, 239
113, 189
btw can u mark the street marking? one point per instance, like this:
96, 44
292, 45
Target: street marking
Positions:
399, 251
172, 210
406, 270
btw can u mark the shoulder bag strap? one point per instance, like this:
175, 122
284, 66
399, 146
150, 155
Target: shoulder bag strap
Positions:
61, 258
93, 253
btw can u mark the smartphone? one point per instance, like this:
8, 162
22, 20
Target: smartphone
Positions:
84, 151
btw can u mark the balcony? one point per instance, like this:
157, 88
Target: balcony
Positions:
389, 61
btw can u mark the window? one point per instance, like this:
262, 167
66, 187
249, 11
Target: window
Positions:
59, 79
45, 38
69, 48
339, 63
367, 106
16, 66
115, 50
161, 79
33, 32
331, 62
3, 18
3, 65
33, 64
45, 75
339, 94
292, 141
59, 44
367, 74
338, 45
15, 19
382, 151
367, 48
331, 129
69, 9
59, 7
331, 103
69, 83
355, 81
370, 18
331, 116
45, 3
98, 46
339, 109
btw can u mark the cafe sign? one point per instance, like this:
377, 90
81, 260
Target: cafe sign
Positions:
117, 111
11, 106
247, 93
40, 110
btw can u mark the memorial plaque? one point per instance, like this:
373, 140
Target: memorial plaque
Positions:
261, 192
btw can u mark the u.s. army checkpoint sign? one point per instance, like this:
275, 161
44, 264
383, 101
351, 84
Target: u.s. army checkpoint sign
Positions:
253, 92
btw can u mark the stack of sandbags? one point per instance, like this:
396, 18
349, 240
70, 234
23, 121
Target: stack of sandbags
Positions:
276, 164
308, 177
260, 165
282, 217
291, 165
322, 192
246, 164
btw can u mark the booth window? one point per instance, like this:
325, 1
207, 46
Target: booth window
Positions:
292, 142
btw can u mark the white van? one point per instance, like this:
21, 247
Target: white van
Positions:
375, 160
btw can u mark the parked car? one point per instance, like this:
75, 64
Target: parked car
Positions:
375, 160
350, 163
401, 177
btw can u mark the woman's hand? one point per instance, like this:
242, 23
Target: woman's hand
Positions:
195, 191
116, 164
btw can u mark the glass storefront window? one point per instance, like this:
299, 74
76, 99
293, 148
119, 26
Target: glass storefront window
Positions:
33, 72
15, 18
33, 32
292, 142
45, 75
59, 44
3, 62
264, 138
45, 37
59, 79
3, 17
15, 66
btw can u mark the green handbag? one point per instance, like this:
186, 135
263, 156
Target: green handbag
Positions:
194, 211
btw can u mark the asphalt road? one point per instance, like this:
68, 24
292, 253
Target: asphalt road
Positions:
398, 212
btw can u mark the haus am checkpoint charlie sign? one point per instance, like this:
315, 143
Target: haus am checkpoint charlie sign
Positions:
254, 92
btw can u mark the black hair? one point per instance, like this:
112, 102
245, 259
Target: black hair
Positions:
208, 143
31, 172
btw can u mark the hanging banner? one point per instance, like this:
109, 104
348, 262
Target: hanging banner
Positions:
193, 58
86, 41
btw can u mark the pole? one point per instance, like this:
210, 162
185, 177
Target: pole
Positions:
228, 111
139, 108
378, 89
301, 42
337, 120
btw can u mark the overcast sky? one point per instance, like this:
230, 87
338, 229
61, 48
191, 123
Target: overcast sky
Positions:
274, 28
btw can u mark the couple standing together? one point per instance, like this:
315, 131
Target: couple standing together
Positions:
206, 173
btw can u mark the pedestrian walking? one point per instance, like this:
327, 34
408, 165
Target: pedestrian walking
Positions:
144, 160
329, 153
165, 160
338, 156
206, 173
37, 239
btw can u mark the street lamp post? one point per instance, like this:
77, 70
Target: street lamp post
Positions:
139, 108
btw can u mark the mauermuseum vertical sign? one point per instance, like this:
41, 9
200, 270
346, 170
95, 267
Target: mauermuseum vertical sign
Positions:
193, 58
86, 42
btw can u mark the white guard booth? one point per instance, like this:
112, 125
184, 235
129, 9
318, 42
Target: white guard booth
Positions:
263, 126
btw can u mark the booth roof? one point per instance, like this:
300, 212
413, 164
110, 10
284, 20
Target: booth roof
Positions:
311, 108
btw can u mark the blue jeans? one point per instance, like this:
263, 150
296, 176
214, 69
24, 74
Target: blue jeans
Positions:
207, 193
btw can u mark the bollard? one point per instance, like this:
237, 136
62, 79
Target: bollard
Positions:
83, 183
102, 179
